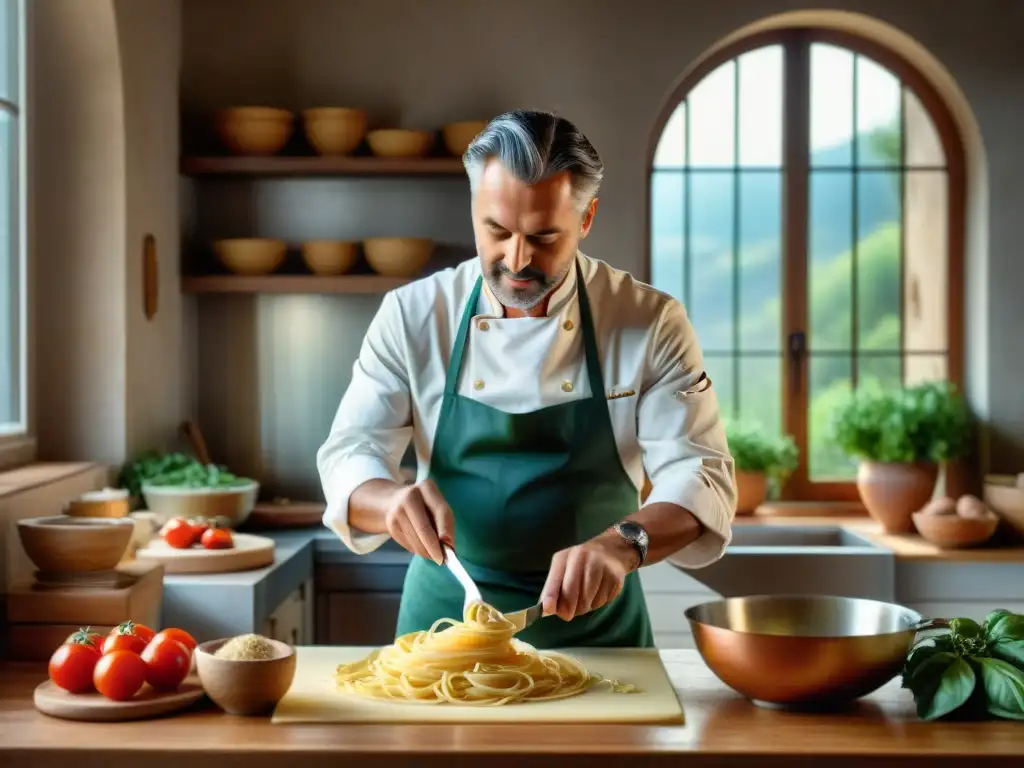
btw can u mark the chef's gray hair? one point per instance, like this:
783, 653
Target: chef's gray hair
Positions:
534, 146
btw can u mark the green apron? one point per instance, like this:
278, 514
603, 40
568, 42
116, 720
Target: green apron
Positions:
521, 487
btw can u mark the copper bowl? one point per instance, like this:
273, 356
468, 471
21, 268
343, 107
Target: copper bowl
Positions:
804, 651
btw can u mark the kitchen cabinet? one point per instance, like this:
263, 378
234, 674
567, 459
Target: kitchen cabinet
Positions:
292, 620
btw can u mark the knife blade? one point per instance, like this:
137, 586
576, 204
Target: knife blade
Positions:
524, 618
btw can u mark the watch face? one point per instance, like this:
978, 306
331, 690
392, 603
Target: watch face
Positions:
630, 530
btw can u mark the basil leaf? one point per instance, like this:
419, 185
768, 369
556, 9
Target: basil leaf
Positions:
1003, 625
1004, 688
942, 684
965, 628
923, 651
1011, 651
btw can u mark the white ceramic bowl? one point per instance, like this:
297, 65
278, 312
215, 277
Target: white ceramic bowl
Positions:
235, 504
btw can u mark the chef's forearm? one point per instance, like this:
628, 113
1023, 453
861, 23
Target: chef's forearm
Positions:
369, 504
669, 526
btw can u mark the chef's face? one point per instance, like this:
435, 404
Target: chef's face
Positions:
526, 235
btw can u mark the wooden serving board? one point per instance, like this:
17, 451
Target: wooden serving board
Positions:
250, 551
286, 514
94, 707
314, 698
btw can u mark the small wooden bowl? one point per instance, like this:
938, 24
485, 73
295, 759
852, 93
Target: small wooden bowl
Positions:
329, 257
399, 142
458, 136
954, 531
110, 502
255, 130
65, 544
398, 256
247, 688
251, 255
334, 130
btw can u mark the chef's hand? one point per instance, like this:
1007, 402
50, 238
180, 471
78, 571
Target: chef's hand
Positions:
585, 577
420, 520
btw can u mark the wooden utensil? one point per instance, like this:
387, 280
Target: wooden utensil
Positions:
195, 438
94, 707
250, 552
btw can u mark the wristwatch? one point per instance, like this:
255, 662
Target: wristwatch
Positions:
636, 535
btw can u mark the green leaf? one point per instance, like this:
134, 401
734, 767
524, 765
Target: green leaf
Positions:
921, 652
1003, 625
941, 684
1010, 651
754, 449
1004, 688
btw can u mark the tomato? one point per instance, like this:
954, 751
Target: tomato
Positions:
178, 534
119, 675
167, 663
123, 643
131, 628
71, 666
180, 635
218, 538
199, 526
87, 637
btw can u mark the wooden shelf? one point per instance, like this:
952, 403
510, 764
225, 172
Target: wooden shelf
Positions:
365, 284
280, 165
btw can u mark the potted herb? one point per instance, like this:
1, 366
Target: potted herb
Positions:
970, 670
761, 459
901, 436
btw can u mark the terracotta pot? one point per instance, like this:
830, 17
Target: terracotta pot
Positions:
751, 491
894, 492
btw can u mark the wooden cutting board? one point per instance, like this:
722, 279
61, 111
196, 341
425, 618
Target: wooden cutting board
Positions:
250, 551
314, 698
96, 708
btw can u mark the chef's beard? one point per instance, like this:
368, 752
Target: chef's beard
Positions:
523, 298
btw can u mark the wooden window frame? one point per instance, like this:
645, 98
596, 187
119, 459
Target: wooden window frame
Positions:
796, 43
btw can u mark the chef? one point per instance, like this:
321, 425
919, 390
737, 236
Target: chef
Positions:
539, 387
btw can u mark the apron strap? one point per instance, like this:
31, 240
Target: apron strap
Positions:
587, 326
451, 381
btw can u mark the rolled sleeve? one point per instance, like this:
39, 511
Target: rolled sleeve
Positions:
372, 426
682, 439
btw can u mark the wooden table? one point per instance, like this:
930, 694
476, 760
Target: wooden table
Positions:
722, 729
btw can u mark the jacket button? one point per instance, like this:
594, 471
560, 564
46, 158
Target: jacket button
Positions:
478, 384
483, 326
567, 386
568, 325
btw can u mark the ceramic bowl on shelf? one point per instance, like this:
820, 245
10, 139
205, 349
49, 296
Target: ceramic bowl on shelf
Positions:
251, 255
398, 256
329, 257
399, 142
458, 136
1004, 495
65, 544
334, 130
233, 503
245, 687
254, 130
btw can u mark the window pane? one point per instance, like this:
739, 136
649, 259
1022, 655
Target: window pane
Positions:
760, 215
712, 107
829, 387
830, 296
710, 258
721, 371
879, 264
883, 370
668, 247
921, 368
9, 54
760, 107
761, 391
10, 310
671, 151
923, 144
878, 115
926, 261
831, 106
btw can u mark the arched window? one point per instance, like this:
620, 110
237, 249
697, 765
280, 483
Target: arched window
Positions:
806, 206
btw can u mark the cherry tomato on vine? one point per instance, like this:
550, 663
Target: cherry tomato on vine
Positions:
71, 666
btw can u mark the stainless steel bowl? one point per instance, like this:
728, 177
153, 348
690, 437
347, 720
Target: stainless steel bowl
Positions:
804, 650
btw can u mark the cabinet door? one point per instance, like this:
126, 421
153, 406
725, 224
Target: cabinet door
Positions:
286, 622
361, 618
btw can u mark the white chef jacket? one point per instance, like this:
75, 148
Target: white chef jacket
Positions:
665, 420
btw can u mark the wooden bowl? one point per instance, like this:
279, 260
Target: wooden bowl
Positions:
168, 502
954, 531
458, 136
246, 688
399, 142
329, 257
398, 256
251, 255
65, 544
110, 502
255, 130
1005, 497
334, 130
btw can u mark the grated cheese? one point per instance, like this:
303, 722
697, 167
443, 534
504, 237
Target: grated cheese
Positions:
245, 648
